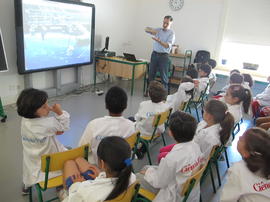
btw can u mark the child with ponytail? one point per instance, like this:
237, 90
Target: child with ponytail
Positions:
113, 175
249, 179
237, 98
215, 128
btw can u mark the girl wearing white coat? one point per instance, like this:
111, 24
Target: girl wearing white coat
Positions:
113, 178
249, 179
183, 94
39, 132
215, 128
237, 98
185, 158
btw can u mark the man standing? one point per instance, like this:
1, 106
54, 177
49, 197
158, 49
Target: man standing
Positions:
163, 39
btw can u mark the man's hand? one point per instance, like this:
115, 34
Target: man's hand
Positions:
150, 30
156, 39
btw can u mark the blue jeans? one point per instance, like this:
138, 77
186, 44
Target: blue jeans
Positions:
159, 63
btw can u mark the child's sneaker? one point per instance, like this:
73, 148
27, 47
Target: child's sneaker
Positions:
25, 190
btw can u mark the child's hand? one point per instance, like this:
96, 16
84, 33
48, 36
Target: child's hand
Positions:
95, 171
196, 82
56, 108
143, 172
77, 178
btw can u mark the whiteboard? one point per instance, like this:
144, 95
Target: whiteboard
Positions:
3, 58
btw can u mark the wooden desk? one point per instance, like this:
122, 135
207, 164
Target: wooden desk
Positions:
120, 67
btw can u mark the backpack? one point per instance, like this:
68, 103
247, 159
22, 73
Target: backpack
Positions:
202, 56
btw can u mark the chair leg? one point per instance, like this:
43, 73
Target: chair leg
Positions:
40, 199
163, 139
200, 197
218, 174
148, 154
226, 157
197, 113
30, 194
212, 180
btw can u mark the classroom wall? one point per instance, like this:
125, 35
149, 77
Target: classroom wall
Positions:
198, 25
113, 18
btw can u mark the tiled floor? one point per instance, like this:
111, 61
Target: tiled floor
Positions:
83, 108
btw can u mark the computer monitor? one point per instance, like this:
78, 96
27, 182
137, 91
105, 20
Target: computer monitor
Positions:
106, 44
3, 58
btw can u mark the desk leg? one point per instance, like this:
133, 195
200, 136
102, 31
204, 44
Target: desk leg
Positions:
132, 82
95, 72
145, 81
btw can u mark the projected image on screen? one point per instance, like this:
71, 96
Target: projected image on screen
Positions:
55, 34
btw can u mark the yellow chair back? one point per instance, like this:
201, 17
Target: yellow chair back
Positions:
197, 176
127, 195
58, 159
132, 140
161, 118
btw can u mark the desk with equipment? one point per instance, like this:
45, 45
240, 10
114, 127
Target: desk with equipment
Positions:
118, 66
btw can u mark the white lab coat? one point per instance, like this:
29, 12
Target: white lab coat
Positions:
93, 190
39, 138
245, 186
235, 110
175, 100
173, 170
102, 127
208, 137
264, 97
201, 87
145, 116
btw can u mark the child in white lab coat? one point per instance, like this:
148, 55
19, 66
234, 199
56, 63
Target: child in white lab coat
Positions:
215, 128
183, 94
185, 158
113, 125
249, 179
202, 82
261, 100
237, 98
113, 175
38, 132
148, 109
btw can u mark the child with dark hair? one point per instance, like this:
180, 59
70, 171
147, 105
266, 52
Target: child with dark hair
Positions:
249, 179
215, 128
235, 78
182, 160
248, 81
183, 94
112, 125
112, 177
38, 132
148, 109
235, 71
203, 81
237, 98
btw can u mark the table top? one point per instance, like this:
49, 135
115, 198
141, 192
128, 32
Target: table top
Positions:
122, 60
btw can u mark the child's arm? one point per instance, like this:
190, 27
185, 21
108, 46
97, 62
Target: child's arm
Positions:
161, 176
87, 136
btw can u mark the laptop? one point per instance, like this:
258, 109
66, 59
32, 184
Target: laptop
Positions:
130, 57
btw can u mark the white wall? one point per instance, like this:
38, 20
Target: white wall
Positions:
248, 21
198, 25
